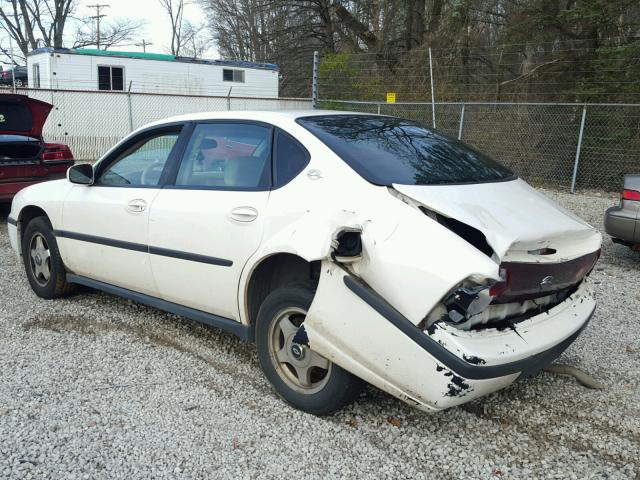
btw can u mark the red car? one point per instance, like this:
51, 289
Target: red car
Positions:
25, 158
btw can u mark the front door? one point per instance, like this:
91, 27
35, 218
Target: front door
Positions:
104, 225
204, 227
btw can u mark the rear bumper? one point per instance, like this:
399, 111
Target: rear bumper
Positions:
356, 328
621, 224
9, 187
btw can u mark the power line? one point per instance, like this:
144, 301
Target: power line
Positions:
143, 44
97, 16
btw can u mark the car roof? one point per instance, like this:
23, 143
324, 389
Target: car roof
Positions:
256, 115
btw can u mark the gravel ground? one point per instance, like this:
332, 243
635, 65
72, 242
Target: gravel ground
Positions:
98, 387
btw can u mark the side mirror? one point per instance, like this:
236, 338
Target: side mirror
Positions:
82, 174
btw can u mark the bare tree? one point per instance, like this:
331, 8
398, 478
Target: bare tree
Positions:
122, 31
195, 40
31, 23
175, 10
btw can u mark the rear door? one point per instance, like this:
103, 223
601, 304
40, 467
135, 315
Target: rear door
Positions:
205, 226
104, 225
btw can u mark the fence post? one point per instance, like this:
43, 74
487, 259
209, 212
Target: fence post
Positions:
461, 123
378, 109
130, 109
314, 79
433, 100
229, 99
578, 149
13, 66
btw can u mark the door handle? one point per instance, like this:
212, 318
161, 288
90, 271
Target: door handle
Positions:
137, 205
244, 214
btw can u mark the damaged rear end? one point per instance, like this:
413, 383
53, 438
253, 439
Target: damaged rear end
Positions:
542, 252
454, 289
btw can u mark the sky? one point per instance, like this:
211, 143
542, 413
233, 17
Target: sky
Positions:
157, 27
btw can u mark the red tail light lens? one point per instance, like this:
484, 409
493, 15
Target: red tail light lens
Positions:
498, 288
56, 151
631, 195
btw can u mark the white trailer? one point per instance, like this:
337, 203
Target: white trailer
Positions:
90, 69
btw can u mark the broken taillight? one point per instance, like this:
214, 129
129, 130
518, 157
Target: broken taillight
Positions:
499, 287
56, 152
630, 195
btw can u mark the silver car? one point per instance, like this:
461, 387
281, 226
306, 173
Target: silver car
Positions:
623, 222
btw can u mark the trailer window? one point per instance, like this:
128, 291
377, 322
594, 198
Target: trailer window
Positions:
229, 75
35, 70
110, 78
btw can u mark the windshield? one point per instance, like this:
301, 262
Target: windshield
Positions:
388, 150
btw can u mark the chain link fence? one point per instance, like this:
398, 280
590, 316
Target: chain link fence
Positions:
91, 122
541, 142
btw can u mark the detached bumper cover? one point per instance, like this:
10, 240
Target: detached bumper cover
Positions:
356, 328
465, 368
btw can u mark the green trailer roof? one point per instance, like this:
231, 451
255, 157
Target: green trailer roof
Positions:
109, 53
154, 56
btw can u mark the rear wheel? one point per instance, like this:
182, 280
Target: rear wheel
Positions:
304, 378
42, 262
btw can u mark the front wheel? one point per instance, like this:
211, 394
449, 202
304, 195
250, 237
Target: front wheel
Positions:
304, 378
42, 262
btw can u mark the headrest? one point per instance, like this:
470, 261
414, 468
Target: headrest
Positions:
243, 172
208, 143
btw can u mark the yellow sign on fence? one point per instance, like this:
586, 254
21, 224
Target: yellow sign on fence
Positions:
391, 97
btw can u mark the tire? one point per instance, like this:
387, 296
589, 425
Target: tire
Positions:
295, 371
42, 262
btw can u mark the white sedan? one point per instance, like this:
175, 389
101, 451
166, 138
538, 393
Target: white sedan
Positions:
351, 248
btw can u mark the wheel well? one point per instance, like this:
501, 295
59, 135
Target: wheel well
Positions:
274, 272
26, 215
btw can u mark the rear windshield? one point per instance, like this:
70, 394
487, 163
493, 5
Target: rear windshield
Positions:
388, 150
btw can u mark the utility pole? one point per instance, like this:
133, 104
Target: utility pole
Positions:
144, 44
97, 16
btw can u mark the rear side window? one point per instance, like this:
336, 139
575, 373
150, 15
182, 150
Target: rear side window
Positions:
231, 156
388, 150
290, 158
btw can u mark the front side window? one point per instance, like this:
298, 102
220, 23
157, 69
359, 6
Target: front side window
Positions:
142, 163
110, 78
388, 150
227, 156
230, 75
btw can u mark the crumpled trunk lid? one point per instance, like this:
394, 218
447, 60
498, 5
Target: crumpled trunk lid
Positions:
519, 223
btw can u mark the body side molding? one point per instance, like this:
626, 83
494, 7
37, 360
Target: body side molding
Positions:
241, 331
139, 247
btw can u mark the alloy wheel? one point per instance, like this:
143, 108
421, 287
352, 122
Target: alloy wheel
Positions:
40, 259
302, 369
